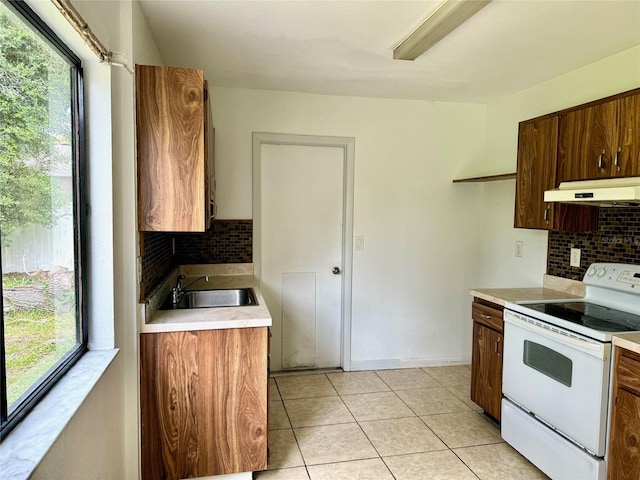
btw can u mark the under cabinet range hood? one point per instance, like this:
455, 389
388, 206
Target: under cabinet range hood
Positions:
609, 192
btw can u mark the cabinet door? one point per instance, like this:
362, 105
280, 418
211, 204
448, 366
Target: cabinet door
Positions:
171, 149
537, 172
203, 402
624, 435
486, 369
587, 139
624, 453
627, 154
537, 158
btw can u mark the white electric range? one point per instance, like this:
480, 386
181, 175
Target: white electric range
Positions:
556, 372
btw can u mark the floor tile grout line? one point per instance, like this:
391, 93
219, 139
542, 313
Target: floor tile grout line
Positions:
421, 417
367, 437
388, 468
437, 436
382, 380
358, 393
292, 431
408, 406
465, 464
446, 447
323, 425
358, 422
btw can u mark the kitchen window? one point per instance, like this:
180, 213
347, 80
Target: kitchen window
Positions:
44, 327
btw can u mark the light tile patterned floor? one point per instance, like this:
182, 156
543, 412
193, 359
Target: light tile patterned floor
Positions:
409, 424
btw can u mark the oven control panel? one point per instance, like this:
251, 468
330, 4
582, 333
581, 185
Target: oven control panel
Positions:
617, 276
627, 276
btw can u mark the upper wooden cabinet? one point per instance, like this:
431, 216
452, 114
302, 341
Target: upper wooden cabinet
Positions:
175, 153
628, 121
601, 140
537, 161
537, 172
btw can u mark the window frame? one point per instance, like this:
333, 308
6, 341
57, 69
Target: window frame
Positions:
80, 222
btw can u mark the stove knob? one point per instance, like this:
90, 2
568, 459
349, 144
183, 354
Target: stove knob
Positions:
591, 272
601, 272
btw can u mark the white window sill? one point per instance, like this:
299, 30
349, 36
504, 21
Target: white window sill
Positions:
25, 447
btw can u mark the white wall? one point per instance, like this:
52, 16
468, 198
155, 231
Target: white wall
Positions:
96, 430
102, 439
415, 222
413, 219
91, 445
410, 300
498, 265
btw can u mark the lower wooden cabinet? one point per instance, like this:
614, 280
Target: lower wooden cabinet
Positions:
624, 438
486, 357
203, 401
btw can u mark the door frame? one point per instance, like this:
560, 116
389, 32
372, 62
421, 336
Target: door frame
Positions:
347, 144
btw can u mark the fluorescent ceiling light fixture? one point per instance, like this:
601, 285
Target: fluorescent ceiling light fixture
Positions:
448, 16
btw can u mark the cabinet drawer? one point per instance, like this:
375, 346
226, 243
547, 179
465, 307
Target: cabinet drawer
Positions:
628, 371
486, 315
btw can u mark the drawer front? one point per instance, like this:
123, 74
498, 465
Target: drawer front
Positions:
628, 371
491, 317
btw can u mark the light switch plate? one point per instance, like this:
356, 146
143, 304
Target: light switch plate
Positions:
359, 242
575, 257
519, 248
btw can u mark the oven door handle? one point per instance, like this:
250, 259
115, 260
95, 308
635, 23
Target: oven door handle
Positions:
594, 348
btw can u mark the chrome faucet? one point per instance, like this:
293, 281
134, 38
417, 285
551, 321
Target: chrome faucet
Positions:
178, 291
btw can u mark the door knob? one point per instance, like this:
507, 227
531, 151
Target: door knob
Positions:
335, 270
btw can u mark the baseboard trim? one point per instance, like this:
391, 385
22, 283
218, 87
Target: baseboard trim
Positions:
393, 363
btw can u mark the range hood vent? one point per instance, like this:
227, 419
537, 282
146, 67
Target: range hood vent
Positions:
610, 192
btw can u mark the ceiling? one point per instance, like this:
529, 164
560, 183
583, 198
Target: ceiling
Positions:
346, 47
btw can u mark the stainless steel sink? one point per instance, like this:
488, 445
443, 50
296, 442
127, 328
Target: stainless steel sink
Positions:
234, 297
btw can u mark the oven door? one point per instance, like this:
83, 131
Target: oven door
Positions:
561, 378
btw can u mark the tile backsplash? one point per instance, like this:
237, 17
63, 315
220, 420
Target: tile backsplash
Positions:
231, 241
158, 259
617, 240
228, 241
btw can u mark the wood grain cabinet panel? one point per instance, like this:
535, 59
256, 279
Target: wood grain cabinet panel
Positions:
537, 172
174, 152
624, 439
601, 140
586, 142
537, 160
203, 400
486, 359
628, 162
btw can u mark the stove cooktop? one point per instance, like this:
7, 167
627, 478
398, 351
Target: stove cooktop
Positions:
590, 315
613, 284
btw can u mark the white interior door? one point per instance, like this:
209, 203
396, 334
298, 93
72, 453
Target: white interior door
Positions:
301, 210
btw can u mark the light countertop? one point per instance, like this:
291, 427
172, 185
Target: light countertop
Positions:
155, 320
553, 288
629, 341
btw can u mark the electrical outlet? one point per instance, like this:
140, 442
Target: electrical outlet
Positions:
519, 247
575, 257
359, 242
